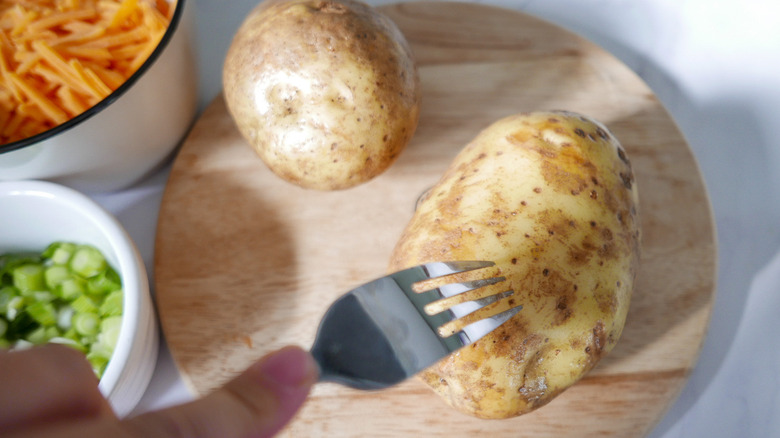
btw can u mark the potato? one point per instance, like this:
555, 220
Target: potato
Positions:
326, 91
551, 198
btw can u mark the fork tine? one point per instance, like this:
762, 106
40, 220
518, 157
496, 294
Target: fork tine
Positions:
453, 294
450, 289
441, 269
472, 312
478, 329
432, 270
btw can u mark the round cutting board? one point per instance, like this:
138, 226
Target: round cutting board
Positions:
246, 263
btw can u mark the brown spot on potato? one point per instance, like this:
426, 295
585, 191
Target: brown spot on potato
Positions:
519, 137
569, 172
627, 179
598, 342
606, 301
556, 222
578, 256
622, 155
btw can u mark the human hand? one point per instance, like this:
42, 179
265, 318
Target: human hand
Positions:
51, 391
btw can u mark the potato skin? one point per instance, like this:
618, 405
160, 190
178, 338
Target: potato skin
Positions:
326, 91
551, 198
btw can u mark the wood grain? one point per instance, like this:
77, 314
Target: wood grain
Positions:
246, 263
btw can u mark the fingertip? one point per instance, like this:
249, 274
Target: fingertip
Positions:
259, 402
288, 373
290, 367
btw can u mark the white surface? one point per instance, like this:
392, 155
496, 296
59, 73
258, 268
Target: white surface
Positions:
714, 64
37, 213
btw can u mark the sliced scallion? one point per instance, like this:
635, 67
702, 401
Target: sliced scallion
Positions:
88, 261
55, 275
86, 323
43, 312
29, 277
71, 288
68, 294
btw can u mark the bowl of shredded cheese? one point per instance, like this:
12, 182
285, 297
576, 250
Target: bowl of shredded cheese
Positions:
94, 94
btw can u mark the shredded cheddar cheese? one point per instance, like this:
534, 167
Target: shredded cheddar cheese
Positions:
58, 58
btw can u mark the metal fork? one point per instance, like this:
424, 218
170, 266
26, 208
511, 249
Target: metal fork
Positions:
380, 333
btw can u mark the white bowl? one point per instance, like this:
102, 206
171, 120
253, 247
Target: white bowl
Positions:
127, 135
37, 213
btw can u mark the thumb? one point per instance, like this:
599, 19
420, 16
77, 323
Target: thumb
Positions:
257, 403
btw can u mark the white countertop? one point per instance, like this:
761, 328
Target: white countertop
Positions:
715, 64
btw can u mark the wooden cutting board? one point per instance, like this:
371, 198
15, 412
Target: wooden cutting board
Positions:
246, 263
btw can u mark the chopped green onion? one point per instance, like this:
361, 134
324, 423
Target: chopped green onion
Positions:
14, 306
106, 281
68, 294
71, 333
29, 277
64, 316
55, 275
69, 342
112, 304
9, 262
60, 252
88, 261
84, 304
37, 336
86, 323
98, 363
38, 295
6, 294
109, 331
22, 344
71, 288
43, 312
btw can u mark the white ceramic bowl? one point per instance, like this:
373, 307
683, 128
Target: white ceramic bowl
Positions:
34, 214
128, 134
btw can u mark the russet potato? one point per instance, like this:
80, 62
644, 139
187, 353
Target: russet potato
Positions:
326, 91
551, 198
